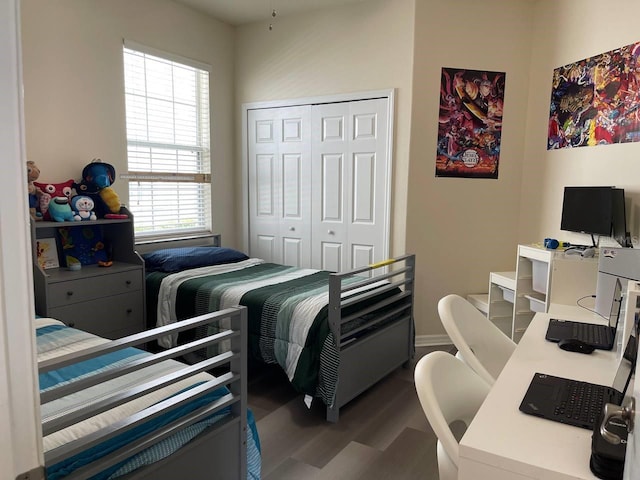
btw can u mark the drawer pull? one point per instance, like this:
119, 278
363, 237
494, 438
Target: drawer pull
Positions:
72, 324
128, 282
129, 310
69, 293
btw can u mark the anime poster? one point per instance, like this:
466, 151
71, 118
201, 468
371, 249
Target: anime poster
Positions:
595, 101
470, 123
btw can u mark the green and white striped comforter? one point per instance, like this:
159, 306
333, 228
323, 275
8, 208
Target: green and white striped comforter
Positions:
287, 312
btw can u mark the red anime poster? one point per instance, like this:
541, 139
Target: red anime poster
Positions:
596, 101
470, 123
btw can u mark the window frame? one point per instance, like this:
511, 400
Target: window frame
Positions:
201, 178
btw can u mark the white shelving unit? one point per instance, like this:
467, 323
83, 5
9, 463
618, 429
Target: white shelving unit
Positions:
533, 282
542, 276
502, 287
480, 301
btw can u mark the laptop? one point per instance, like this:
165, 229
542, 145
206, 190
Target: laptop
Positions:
578, 403
600, 336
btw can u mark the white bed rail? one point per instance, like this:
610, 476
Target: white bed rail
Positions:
233, 378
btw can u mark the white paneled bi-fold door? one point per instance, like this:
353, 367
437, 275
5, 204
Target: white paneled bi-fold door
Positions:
349, 184
280, 185
319, 184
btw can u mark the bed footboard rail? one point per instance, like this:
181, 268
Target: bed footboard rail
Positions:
231, 373
371, 318
375, 294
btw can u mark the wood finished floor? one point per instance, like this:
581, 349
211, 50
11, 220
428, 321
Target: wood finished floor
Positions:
382, 434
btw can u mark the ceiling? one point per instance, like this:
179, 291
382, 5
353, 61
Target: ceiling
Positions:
238, 12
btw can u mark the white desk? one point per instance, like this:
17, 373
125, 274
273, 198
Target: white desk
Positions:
503, 443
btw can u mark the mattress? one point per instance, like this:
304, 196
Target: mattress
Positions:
55, 339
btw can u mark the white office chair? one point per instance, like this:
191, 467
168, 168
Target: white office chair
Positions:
449, 391
481, 345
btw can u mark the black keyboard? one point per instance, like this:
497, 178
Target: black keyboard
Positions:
582, 402
592, 334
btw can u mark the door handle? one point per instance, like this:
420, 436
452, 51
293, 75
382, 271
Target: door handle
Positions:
625, 412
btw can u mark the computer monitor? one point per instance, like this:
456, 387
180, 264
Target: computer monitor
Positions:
619, 219
587, 210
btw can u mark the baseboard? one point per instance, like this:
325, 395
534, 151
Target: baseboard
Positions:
432, 340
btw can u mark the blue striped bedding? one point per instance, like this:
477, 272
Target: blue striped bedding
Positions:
55, 339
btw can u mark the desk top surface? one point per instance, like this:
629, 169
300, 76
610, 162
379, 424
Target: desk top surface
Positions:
502, 436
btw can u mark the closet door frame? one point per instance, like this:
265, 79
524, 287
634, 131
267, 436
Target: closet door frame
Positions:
389, 94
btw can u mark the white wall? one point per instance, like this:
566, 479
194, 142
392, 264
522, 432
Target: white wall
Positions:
359, 47
566, 32
461, 229
74, 85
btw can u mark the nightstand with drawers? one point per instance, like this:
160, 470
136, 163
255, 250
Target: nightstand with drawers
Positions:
107, 301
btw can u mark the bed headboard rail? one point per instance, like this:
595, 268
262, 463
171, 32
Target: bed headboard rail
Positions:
209, 240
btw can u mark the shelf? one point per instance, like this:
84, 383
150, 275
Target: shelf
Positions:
504, 279
480, 301
103, 221
542, 276
108, 301
509, 305
535, 253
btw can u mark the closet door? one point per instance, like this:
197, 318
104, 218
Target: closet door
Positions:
350, 192
279, 150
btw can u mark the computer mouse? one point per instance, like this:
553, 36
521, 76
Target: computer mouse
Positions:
575, 345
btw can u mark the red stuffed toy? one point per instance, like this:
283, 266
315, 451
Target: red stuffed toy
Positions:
50, 191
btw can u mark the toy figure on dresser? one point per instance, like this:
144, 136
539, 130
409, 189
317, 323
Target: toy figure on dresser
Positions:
97, 178
60, 210
62, 191
33, 172
82, 207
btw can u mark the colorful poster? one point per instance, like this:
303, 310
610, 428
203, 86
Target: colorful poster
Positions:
470, 123
595, 101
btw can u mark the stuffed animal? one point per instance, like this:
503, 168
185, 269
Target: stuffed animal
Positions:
99, 173
82, 207
33, 172
110, 198
97, 178
50, 191
60, 210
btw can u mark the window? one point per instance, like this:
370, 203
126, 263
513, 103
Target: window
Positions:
168, 155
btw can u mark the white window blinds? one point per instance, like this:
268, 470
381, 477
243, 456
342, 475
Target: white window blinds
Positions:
167, 107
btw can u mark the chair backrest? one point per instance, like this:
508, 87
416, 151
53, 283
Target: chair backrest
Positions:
449, 391
482, 345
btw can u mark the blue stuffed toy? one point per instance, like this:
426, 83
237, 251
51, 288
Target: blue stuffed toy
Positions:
97, 178
82, 207
60, 210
